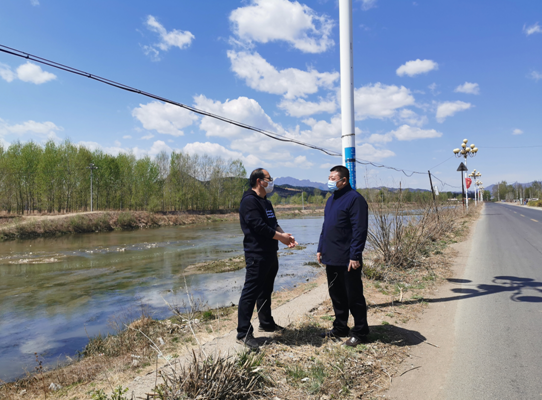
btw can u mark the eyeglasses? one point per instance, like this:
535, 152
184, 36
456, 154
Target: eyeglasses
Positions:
269, 179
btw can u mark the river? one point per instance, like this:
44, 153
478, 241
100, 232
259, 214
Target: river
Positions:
55, 293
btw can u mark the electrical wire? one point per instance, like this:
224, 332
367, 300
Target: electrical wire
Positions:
272, 135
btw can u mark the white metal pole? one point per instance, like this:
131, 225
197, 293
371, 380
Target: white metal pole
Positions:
466, 188
347, 89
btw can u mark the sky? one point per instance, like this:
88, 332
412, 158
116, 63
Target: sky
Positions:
427, 74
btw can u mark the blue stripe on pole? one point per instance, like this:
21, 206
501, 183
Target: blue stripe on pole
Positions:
350, 163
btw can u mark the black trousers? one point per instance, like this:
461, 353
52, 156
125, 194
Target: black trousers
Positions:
259, 281
346, 292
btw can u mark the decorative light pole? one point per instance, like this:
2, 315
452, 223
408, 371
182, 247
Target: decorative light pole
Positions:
480, 190
92, 167
466, 152
475, 175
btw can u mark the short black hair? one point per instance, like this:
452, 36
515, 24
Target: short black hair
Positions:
255, 175
342, 171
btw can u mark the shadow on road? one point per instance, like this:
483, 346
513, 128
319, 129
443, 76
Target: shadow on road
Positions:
520, 290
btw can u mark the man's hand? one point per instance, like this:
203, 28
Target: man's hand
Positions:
319, 258
285, 238
353, 265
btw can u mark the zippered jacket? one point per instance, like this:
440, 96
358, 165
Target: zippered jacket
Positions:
344, 232
258, 223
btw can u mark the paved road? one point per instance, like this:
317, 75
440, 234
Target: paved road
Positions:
498, 324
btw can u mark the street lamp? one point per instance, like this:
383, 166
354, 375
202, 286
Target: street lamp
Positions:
465, 152
92, 167
480, 190
475, 175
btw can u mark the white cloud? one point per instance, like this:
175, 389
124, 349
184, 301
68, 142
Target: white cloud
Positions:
303, 108
368, 152
327, 165
216, 150
529, 30
433, 88
380, 101
469, 88
535, 75
517, 132
368, 4
35, 2
158, 147
6, 73
411, 118
147, 137
127, 137
281, 20
46, 130
298, 162
405, 133
449, 108
242, 109
290, 82
27, 72
93, 146
174, 38
164, 118
416, 67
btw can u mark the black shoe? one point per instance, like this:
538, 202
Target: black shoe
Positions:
275, 328
250, 342
331, 334
355, 341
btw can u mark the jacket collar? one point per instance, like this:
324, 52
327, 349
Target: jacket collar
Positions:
340, 192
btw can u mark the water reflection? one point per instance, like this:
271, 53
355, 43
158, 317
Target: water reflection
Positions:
56, 292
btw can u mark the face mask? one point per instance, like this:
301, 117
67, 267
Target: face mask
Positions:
269, 187
332, 186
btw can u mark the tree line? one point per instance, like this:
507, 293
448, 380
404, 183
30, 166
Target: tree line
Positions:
516, 191
55, 178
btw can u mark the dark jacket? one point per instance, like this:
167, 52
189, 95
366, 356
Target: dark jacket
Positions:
344, 233
258, 223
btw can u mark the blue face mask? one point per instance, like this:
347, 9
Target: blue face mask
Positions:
332, 186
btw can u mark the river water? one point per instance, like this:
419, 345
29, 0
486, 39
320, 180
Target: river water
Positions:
57, 292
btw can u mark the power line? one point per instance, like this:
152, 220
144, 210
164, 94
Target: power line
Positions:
272, 135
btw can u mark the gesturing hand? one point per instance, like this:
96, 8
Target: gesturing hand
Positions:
353, 265
319, 258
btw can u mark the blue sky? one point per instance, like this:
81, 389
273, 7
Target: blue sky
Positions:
427, 74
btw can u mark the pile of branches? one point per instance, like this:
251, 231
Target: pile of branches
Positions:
221, 378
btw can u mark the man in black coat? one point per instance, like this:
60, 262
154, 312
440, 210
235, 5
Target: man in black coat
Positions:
262, 234
343, 237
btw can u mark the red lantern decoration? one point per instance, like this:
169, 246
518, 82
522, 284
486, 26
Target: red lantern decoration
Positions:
468, 181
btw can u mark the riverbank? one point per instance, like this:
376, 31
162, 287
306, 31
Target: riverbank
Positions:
298, 361
31, 227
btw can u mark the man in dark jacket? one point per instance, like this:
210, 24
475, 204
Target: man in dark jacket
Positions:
346, 220
262, 234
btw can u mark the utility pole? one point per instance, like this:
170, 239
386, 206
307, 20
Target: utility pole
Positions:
92, 167
347, 89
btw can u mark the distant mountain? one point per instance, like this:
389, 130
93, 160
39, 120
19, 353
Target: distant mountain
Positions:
288, 180
292, 183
